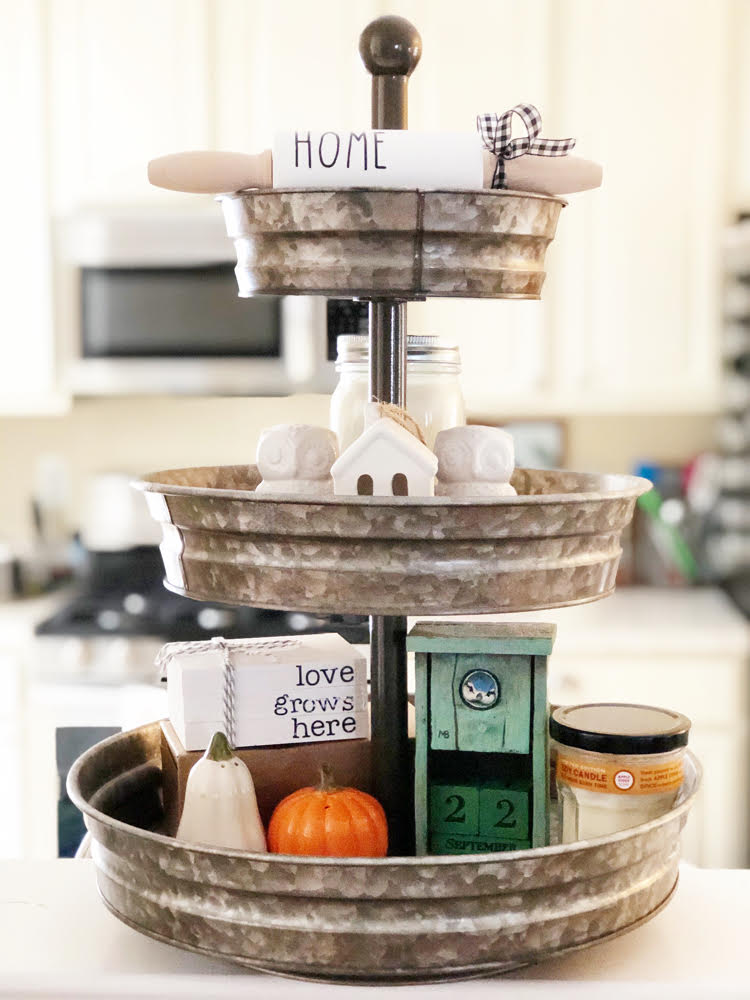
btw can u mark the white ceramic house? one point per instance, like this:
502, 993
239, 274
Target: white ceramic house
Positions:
385, 460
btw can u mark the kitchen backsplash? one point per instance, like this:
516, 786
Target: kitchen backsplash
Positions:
144, 434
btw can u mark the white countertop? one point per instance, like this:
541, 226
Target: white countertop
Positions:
58, 940
18, 617
644, 619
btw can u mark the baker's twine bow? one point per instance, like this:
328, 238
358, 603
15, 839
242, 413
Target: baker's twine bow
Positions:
400, 416
496, 133
262, 646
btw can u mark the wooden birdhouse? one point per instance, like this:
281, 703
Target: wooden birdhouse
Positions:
385, 460
482, 759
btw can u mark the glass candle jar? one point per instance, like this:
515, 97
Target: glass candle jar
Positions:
617, 766
433, 391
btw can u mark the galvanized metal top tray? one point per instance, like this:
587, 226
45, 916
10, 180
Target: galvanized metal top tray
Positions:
556, 543
395, 244
357, 919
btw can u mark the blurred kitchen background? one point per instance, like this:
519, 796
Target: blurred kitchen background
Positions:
636, 359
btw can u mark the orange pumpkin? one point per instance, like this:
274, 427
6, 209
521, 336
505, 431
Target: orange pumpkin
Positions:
329, 822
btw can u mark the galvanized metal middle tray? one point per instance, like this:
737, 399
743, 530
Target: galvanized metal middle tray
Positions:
556, 543
392, 919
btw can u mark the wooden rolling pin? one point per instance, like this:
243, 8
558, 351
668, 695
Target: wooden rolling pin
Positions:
545, 174
204, 172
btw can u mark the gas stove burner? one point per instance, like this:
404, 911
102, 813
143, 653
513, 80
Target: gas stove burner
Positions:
134, 604
122, 595
172, 618
109, 620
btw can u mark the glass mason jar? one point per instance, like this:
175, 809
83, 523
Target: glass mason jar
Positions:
433, 391
617, 766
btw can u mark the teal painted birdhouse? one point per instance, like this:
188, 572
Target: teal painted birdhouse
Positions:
482, 758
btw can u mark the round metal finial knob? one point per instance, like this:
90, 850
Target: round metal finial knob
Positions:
390, 46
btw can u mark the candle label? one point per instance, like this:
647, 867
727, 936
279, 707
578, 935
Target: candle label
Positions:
620, 777
386, 158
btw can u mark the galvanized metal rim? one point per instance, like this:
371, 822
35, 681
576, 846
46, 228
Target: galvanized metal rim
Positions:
487, 192
632, 487
428, 860
461, 974
196, 594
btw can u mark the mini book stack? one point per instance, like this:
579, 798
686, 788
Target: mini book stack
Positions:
296, 689
297, 702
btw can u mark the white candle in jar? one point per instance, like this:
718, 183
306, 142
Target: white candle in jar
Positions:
618, 766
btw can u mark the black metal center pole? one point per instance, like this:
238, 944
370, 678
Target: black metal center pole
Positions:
390, 48
392, 771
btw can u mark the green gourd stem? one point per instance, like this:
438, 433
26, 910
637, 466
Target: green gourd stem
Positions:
327, 784
219, 748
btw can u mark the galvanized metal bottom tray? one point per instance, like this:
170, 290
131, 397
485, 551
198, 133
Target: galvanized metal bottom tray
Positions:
362, 920
556, 543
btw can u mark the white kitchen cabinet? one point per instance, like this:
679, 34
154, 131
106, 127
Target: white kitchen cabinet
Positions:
17, 775
636, 278
130, 82
486, 59
39, 694
27, 368
12, 788
93, 89
630, 312
51, 707
287, 65
127, 82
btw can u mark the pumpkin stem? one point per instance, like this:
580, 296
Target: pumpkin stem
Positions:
326, 784
219, 748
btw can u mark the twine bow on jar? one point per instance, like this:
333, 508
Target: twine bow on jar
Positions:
496, 132
399, 415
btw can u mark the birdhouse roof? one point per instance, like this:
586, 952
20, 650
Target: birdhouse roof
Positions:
404, 441
529, 638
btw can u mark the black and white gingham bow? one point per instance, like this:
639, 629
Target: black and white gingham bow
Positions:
496, 135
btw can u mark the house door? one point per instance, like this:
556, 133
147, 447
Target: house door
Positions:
364, 485
400, 485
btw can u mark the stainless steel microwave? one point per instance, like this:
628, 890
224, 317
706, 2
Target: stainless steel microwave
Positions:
148, 303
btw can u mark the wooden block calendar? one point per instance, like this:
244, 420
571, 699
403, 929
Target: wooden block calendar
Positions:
482, 754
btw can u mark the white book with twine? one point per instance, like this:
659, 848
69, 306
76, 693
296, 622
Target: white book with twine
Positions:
263, 692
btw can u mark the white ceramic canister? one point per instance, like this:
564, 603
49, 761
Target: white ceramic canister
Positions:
617, 766
433, 391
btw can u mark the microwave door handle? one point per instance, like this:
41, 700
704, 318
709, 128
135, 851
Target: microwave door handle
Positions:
304, 335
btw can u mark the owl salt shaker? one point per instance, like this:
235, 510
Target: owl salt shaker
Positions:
296, 458
474, 461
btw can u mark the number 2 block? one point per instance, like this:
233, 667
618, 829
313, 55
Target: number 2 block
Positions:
454, 809
504, 813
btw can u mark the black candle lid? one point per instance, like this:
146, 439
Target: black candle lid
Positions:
616, 728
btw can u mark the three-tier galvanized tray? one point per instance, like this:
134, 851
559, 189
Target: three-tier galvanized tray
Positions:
357, 919
402, 918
